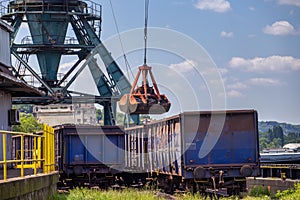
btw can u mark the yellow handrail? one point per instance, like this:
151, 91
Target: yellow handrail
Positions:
48, 149
44, 143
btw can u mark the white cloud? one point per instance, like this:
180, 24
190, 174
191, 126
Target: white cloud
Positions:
222, 70
226, 34
234, 89
289, 2
251, 8
272, 63
265, 82
280, 28
220, 6
183, 67
63, 68
236, 86
234, 93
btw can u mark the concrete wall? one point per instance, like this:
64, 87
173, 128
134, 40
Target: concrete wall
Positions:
38, 187
273, 184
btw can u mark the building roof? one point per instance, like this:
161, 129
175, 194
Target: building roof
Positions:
5, 26
9, 83
16, 87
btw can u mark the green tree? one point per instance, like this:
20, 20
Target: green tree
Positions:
277, 142
270, 135
28, 124
25, 108
278, 133
292, 138
120, 118
99, 115
263, 143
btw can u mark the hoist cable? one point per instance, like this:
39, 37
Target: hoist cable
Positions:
145, 30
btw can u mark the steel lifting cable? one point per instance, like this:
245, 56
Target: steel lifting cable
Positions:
145, 30
127, 65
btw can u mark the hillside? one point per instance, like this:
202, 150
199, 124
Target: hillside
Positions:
264, 126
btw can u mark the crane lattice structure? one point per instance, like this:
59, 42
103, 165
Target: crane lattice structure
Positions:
48, 22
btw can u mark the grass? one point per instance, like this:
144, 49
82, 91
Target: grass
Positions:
95, 194
257, 193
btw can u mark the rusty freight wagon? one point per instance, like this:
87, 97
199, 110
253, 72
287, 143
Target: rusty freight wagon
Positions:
211, 151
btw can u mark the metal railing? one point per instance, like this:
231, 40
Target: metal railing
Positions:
88, 7
41, 151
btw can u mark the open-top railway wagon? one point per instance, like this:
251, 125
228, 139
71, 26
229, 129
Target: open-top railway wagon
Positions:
203, 151
210, 152
89, 155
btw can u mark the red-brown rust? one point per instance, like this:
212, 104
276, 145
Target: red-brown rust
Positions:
144, 99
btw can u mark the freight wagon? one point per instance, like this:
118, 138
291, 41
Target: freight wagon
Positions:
89, 155
210, 152
203, 151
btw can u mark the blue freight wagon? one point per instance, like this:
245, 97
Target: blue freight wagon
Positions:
89, 155
205, 151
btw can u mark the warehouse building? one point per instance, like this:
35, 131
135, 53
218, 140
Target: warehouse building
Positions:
76, 113
10, 87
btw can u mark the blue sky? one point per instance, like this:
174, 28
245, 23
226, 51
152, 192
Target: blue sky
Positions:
254, 44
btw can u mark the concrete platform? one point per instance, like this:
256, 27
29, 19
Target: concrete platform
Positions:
12, 173
40, 186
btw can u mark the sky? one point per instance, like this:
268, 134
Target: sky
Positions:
254, 44
212, 54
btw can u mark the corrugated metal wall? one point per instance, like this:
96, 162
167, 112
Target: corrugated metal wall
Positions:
5, 105
4, 47
5, 98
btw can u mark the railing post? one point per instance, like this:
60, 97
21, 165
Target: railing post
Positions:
53, 149
49, 149
22, 155
39, 151
4, 156
45, 149
34, 155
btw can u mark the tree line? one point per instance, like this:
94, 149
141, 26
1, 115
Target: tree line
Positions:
275, 138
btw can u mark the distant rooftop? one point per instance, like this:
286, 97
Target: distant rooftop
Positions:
293, 146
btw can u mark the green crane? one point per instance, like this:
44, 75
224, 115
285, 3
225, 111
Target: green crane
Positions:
48, 22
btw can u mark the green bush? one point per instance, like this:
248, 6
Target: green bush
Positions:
259, 191
290, 194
